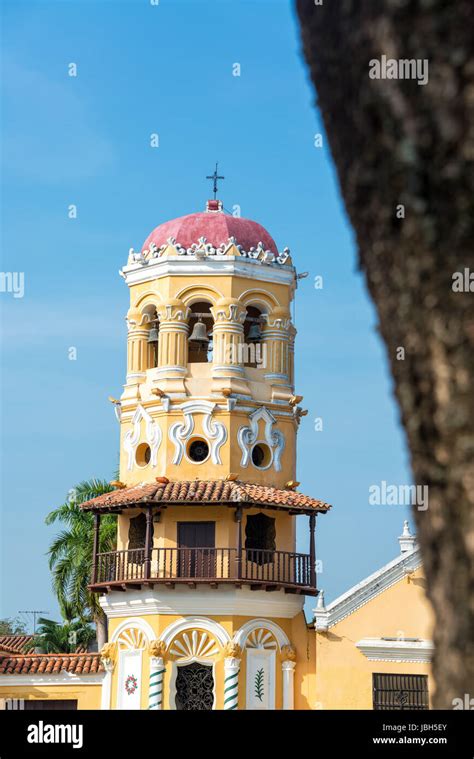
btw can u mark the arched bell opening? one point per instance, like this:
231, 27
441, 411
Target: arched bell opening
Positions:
201, 324
253, 346
150, 319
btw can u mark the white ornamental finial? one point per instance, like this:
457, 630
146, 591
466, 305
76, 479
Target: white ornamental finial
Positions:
407, 540
321, 614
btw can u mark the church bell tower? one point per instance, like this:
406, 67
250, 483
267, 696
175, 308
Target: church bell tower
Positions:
204, 593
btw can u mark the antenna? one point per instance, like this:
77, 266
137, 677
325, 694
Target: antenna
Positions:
34, 613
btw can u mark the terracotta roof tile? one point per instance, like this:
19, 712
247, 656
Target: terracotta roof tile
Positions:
205, 491
85, 664
14, 644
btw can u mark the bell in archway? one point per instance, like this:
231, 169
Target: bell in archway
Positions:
198, 338
255, 334
153, 335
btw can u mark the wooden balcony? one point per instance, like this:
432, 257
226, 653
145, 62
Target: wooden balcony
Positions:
259, 569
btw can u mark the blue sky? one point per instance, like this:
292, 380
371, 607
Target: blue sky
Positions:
85, 140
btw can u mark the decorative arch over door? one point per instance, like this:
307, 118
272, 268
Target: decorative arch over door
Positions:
194, 644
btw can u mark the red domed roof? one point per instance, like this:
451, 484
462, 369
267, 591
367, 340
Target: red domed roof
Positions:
216, 226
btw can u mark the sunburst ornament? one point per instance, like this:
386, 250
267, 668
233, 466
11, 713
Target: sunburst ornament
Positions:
261, 638
195, 645
131, 639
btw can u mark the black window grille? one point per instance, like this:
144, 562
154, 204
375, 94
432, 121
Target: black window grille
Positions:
400, 691
194, 688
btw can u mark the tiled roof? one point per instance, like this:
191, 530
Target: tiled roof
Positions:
77, 664
14, 644
205, 491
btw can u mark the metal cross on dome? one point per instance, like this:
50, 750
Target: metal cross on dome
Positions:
215, 177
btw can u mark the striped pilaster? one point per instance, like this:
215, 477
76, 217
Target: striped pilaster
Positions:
231, 682
157, 671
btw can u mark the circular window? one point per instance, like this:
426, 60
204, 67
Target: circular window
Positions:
261, 456
143, 454
198, 450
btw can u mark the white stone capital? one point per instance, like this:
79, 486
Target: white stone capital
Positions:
156, 663
231, 663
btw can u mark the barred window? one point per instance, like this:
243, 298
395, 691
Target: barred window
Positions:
400, 691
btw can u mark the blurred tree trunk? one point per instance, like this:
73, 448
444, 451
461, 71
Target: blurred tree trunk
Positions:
397, 143
101, 629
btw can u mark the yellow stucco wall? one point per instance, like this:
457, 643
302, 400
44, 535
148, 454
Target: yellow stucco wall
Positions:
343, 673
230, 453
165, 532
199, 382
87, 696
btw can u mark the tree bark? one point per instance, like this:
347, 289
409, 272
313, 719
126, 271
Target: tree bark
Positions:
101, 629
399, 143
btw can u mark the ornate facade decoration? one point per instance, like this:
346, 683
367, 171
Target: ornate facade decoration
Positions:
232, 650
195, 644
214, 431
153, 436
157, 648
278, 319
108, 654
131, 639
202, 249
247, 436
261, 638
173, 311
229, 310
288, 653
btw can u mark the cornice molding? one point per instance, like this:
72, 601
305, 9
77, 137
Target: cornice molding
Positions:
64, 678
189, 601
217, 266
378, 649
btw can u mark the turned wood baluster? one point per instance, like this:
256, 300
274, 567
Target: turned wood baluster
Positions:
95, 547
148, 542
312, 551
238, 561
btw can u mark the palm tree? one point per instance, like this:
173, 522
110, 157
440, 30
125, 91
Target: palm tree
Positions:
56, 638
70, 554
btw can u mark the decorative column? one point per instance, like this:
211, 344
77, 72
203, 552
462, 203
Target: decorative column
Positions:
157, 651
276, 344
291, 354
233, 653
137, 347
288, 665
107, 655
172, 345
228, 335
